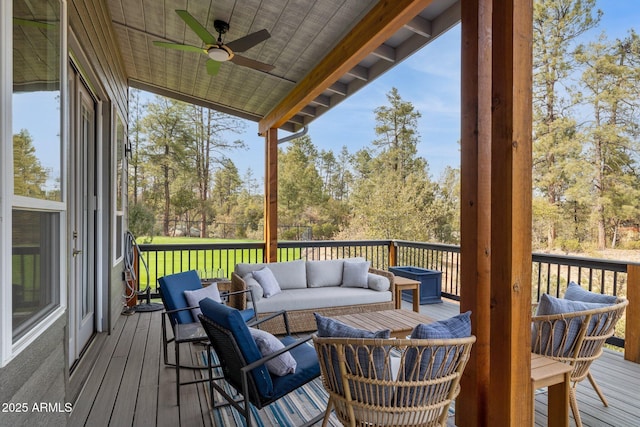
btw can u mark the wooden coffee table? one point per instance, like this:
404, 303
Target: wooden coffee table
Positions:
401, 322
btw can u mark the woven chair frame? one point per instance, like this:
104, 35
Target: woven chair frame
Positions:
391, 382
577, 339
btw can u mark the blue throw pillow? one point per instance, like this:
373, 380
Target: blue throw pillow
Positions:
576, 293
550, 342
455, 327
328, 327
369, 368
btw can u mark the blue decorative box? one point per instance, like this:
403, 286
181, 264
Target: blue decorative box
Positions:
430, 283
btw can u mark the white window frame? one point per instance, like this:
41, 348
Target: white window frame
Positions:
9, 349
115, 212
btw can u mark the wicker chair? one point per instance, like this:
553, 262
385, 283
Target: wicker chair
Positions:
391, 382
576, 338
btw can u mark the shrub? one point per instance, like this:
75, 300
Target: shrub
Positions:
141, 220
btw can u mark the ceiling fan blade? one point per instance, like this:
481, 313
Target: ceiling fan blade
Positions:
213, 67
251, 63
197, 28
248, 41
177, 46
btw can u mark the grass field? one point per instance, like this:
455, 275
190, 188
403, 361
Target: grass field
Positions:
206, 261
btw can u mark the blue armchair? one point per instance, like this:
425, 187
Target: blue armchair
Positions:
245, 367
185, 327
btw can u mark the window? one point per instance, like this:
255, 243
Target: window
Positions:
38, 207
35, 267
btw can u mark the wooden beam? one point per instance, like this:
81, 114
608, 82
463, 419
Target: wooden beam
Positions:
496, 210
475, 207
271, 197
382, 21
632, 331
511, 193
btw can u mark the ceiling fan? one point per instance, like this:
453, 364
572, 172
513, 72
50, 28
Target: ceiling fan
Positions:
217, 51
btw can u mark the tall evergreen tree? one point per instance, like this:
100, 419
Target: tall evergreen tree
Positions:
556, 25
610, 84
165, 126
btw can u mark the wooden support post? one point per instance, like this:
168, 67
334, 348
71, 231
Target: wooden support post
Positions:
496, 210
271, 196
632, 329
475, 209
393, 254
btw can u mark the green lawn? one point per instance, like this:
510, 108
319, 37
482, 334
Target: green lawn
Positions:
163, 263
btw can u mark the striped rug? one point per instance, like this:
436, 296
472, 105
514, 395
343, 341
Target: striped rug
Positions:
294, 409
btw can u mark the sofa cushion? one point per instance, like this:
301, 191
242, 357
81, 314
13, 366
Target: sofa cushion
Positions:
242, 269
324, 273
281, 365
256, 290
576, 293
314, 298
290, 274
267, 281
354, 274
377, 282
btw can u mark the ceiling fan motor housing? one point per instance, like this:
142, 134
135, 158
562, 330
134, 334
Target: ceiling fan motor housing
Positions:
221, 26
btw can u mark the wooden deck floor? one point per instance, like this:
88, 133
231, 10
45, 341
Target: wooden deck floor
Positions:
130, 386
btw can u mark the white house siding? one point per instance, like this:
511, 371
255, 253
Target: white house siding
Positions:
90, 22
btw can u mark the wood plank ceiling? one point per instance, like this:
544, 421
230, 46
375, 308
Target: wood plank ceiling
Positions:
302, 32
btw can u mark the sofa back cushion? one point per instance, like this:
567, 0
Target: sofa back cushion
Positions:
243, 269
324, 273
288, 274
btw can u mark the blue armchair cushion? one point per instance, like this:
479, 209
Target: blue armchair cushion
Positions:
307, 368
576, 293
173, 286
231, 319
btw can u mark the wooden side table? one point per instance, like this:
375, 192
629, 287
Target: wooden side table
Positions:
546, 372
404, 284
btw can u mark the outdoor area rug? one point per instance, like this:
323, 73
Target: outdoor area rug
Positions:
294, 409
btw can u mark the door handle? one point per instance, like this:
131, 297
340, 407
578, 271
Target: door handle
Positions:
76, 252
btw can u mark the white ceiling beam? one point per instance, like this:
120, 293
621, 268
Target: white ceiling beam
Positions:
339, 88
359, 72
385, 52
420, 25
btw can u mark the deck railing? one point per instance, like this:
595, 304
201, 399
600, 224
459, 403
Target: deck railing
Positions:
550, 273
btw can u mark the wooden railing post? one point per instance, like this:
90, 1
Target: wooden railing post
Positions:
632, 327
393, 254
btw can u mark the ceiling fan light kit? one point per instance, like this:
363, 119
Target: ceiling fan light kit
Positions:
220, 53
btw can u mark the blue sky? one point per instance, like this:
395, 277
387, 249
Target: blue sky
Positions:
430, 79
